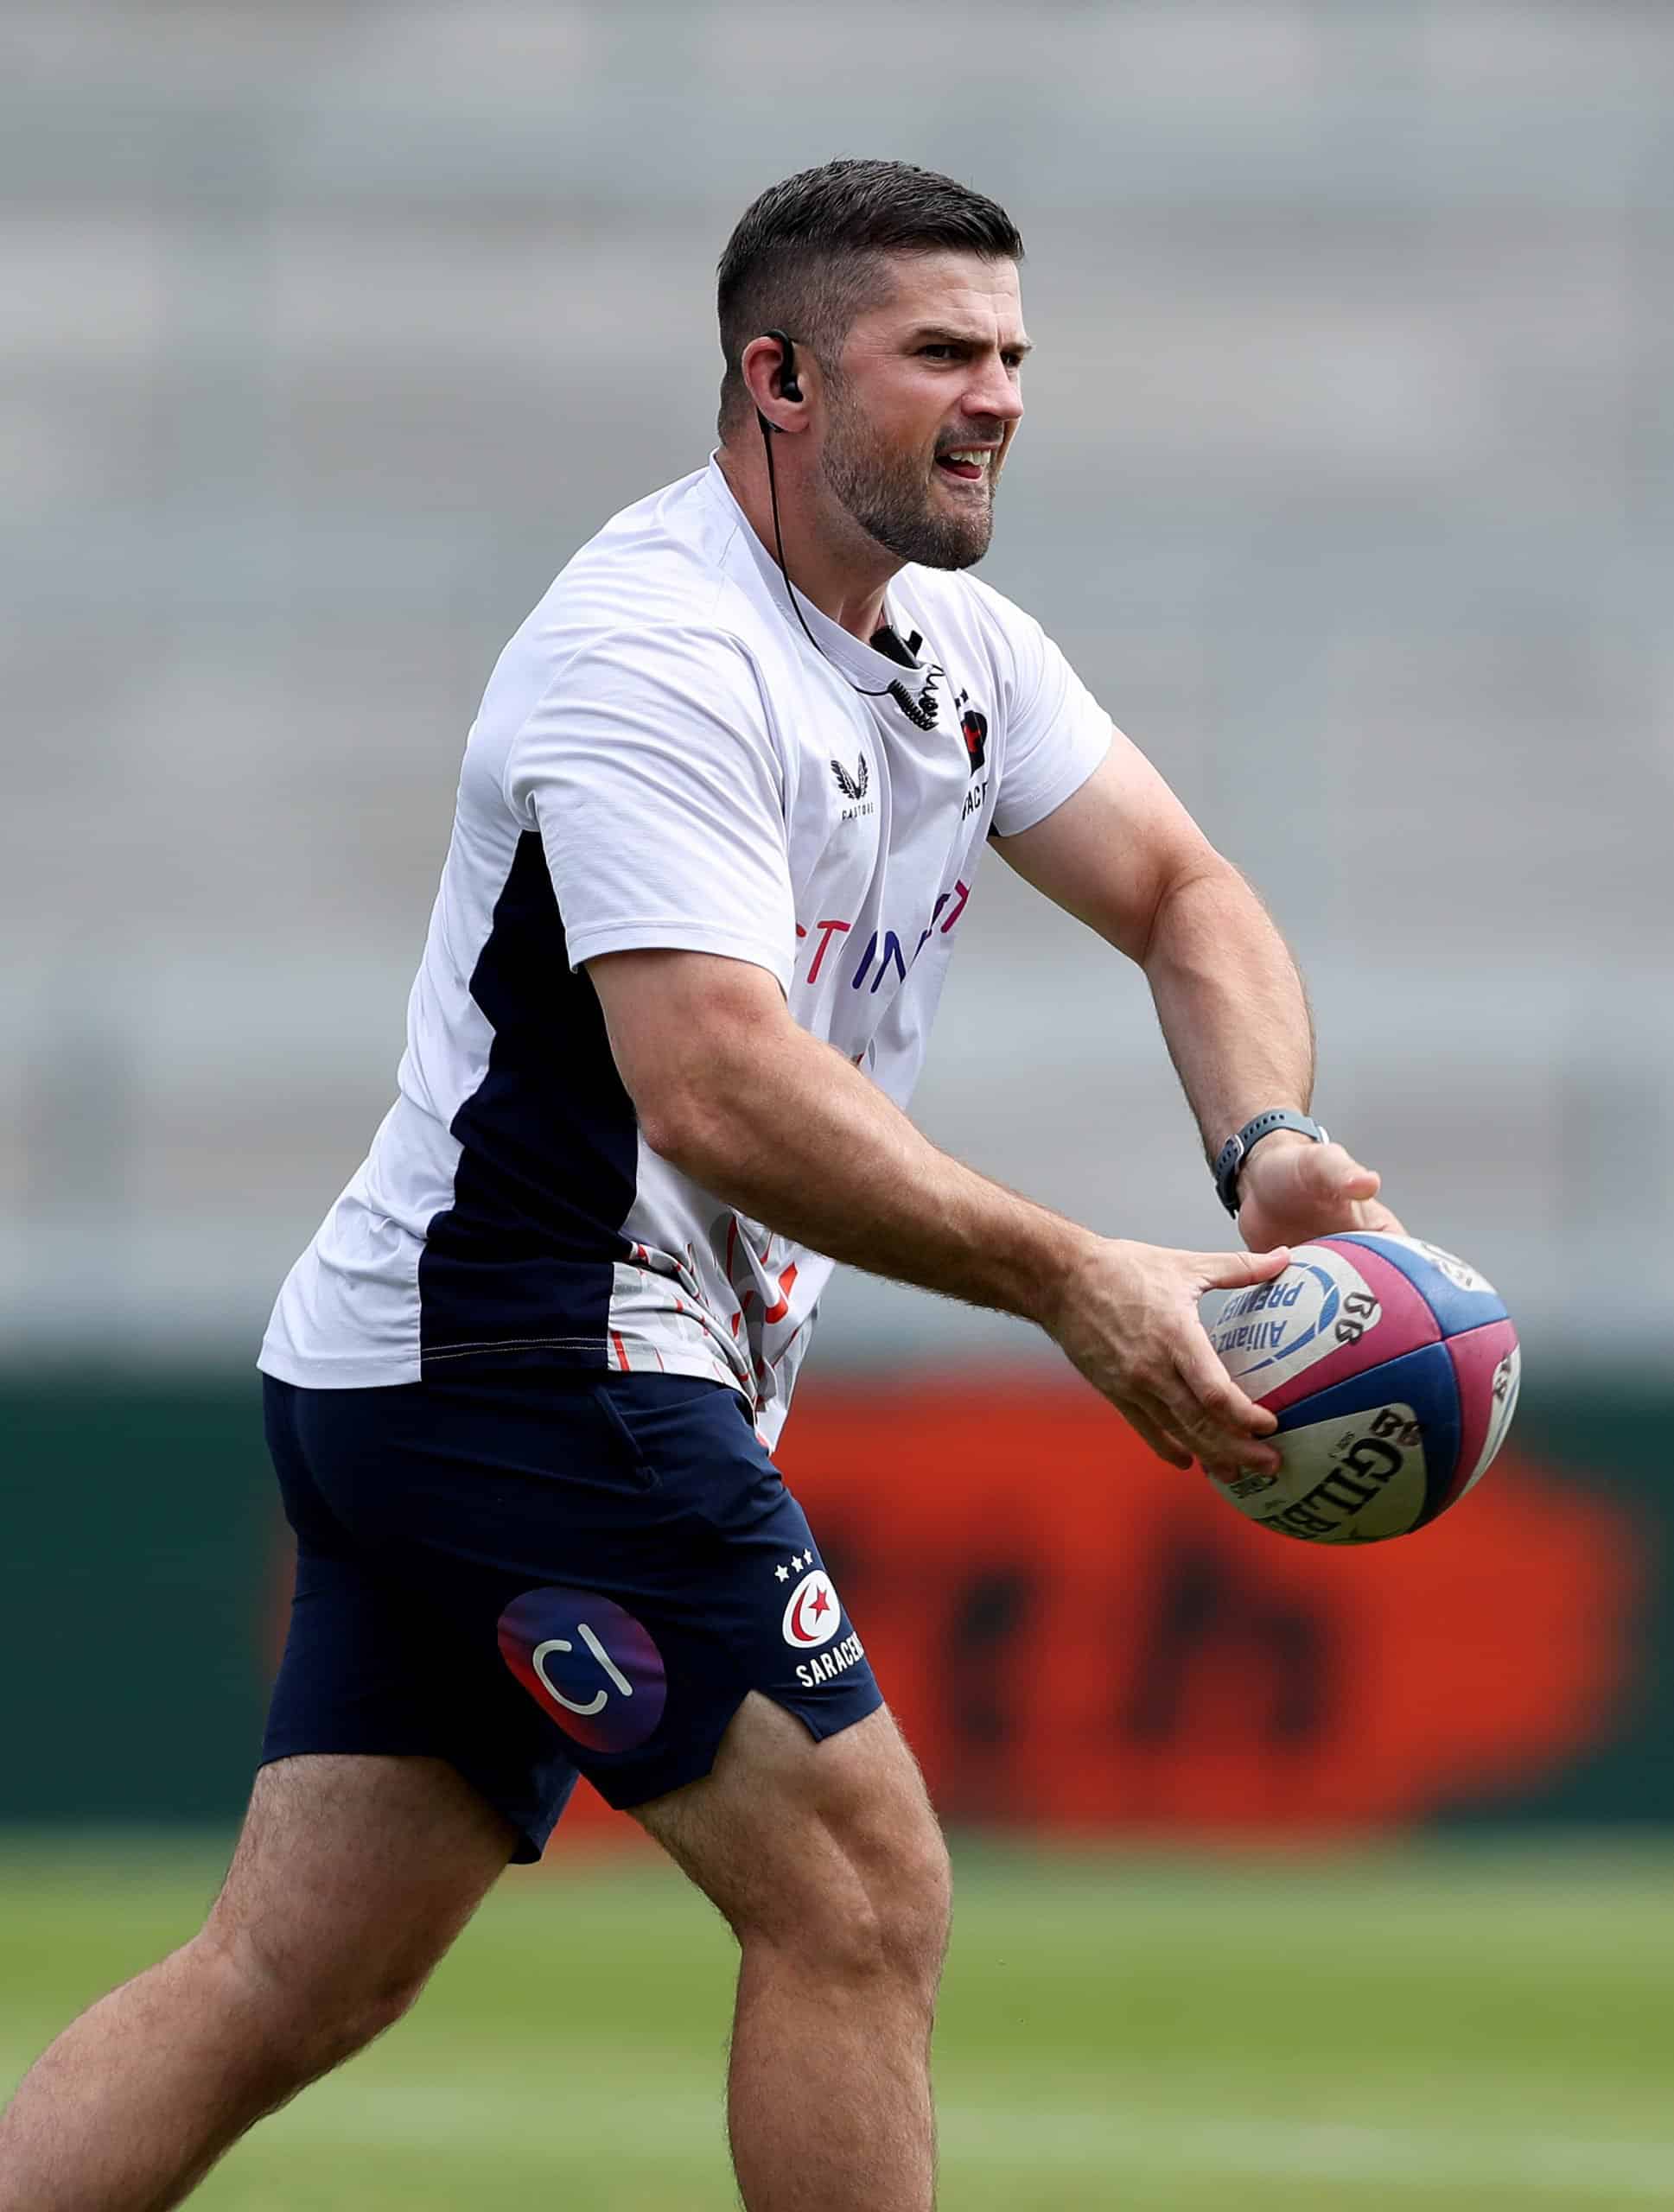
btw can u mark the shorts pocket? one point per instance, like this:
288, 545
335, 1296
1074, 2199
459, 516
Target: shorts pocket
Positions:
680, 1430
636, 1465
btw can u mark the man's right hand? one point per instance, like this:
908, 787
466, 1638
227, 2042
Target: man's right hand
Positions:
1128, 1320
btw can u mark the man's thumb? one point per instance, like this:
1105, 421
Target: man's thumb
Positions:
1331, 1169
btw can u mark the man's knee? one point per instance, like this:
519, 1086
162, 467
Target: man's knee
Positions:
829, 1852
310, 1955
911, 1888
299, 2017
869, 1902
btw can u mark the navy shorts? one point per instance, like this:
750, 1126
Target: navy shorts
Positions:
533, 1574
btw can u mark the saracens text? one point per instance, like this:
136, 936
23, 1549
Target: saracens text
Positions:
811, 1673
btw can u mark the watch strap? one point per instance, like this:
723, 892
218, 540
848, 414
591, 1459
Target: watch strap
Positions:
1229, 1160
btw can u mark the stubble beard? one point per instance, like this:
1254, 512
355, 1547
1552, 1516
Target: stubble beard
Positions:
890, 497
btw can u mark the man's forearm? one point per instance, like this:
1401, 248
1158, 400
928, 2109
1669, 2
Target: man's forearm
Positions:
771, 1120
1232, 1004
789, 1133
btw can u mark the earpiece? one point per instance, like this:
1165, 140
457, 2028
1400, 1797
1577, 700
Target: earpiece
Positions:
921, 710
788, 387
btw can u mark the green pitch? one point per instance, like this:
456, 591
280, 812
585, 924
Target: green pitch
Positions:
1427, 2033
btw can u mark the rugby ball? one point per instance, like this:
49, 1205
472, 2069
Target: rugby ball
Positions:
1393, 1368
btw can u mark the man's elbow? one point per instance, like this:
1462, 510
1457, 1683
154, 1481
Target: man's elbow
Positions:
696, 1122
675, 1122
1182, 901
688, 1038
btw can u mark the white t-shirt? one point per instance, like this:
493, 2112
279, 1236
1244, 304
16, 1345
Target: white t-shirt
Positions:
661, 758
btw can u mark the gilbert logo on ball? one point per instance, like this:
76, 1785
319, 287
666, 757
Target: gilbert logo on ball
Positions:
1393, 1369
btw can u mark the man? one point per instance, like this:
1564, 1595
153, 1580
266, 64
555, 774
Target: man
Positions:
715, 837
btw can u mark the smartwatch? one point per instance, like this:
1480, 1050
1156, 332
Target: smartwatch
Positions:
1229, 1160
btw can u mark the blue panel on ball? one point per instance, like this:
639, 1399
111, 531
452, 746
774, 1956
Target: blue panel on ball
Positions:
1423, 1380
1456, 1310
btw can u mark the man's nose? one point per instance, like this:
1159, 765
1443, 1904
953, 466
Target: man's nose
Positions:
995, 397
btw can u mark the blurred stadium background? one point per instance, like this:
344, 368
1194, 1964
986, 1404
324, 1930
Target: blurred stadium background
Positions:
329, 332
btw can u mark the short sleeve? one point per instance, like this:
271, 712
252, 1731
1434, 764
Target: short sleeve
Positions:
650, 767
1056, 733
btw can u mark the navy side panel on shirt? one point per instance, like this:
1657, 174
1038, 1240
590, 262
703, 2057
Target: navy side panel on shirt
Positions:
518, 1269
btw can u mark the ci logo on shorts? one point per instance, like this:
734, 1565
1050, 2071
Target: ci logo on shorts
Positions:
812, 1613
588, 1664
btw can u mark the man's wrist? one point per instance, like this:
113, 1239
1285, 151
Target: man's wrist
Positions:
1048, 1270
1277, 1122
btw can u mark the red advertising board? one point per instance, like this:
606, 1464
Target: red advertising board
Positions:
1077, 1639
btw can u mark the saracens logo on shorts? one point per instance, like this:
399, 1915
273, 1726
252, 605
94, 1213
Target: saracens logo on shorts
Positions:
813, 1613
588, 1664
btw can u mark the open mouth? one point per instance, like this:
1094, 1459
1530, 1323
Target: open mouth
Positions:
967, 464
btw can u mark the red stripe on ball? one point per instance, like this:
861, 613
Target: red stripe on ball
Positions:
1476, 1355
1406, 1323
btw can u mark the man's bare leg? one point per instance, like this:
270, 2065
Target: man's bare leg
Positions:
352, 1877
827, 1861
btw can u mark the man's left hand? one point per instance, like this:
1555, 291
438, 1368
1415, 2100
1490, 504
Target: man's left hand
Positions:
1292, 1189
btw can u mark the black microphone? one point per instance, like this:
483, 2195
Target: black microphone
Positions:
923, 711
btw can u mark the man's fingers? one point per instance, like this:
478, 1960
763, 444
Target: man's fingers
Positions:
1239, 1270
1212, 1410
1206, 1407
1151, 1431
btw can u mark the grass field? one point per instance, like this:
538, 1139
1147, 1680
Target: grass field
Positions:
1445, 2030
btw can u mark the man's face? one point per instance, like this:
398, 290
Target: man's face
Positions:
921, 412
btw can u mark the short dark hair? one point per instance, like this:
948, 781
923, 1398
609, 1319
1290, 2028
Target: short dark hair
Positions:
805, 255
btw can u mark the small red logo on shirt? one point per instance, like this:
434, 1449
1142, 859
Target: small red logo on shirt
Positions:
973, 726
